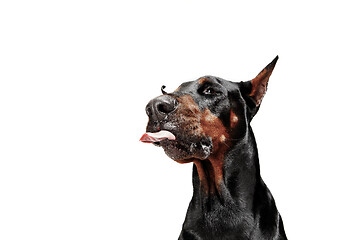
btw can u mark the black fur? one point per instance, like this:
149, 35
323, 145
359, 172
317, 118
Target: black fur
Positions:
242, 207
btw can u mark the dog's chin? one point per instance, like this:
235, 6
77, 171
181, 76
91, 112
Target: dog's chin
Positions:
184, 152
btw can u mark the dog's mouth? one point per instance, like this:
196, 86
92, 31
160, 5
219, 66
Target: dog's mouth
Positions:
179, 148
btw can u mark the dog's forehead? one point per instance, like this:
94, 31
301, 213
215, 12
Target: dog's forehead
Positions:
192, 87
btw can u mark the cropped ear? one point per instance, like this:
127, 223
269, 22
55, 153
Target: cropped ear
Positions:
254, 90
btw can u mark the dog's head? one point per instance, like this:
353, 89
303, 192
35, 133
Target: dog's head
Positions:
202, 118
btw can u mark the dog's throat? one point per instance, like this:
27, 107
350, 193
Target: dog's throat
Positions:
210, 172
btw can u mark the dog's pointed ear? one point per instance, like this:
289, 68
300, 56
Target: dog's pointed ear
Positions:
254, 90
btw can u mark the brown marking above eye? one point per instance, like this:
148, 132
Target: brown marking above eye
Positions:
203, 80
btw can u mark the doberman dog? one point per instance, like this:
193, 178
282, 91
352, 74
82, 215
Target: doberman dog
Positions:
207, 122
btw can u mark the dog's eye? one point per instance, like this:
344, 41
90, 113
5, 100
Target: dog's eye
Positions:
209, 91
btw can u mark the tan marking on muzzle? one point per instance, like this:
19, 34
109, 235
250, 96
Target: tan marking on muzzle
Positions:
205, 124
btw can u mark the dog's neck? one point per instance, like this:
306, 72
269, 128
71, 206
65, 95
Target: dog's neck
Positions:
228, 179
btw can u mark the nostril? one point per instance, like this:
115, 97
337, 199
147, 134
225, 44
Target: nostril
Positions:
158, 108
165, 107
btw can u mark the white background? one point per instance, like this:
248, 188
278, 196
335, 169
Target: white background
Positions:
75, 77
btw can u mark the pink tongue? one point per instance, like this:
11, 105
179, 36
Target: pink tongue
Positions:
157, 137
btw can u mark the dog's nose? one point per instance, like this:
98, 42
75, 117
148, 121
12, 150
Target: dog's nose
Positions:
159, 108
